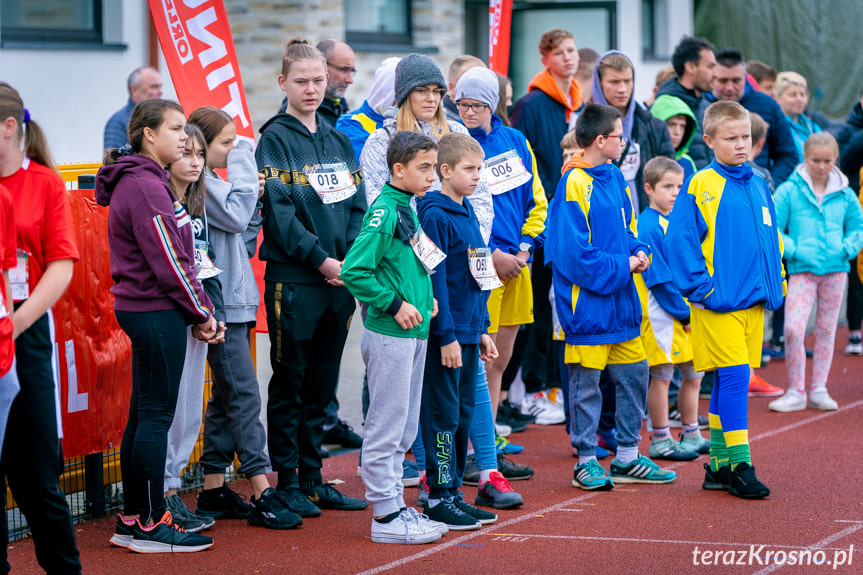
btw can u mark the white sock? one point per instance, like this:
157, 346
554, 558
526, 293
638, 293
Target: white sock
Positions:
433, 502
485, 474
585, 460
626, 455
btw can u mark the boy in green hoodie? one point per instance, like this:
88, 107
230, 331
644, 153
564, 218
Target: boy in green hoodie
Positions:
681, 125
388, 269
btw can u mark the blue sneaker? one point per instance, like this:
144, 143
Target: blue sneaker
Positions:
607, 440
504, 446
642, 470
410, 473
592, 477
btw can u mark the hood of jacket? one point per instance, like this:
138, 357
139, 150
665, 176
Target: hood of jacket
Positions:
667, 106
575, 161
134, 165
545, 82
599, 98
855, 116
836, 181
293, 124
436, 199
672, 87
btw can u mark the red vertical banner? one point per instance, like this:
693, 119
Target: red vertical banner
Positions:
499, 21
196, 39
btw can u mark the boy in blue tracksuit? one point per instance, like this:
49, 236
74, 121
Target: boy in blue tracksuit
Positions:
728, 263
594, 253
519, 215
458, 337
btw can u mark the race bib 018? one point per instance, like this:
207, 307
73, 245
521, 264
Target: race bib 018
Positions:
332, 182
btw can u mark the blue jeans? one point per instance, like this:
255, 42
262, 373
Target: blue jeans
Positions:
585, 404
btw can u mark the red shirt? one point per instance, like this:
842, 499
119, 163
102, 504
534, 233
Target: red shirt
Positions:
8, 260
44, 217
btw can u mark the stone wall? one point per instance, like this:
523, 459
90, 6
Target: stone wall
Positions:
260, 29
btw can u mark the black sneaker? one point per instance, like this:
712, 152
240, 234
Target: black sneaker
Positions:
185, 519
165, 537
481, 515
343, 434
324, 452
222, 504
513, 471
270, 511
716, 480
325, 496
745, 484
296, 501
471, 471
516, 426
513, 412
454, 518
123, 533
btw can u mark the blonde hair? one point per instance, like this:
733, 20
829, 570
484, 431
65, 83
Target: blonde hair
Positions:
552, 39
407, 122
297, 48
759, 127
720, 112
617, 62
664, 74
786, 79
657, 167
821, 139
453, 147
568, 142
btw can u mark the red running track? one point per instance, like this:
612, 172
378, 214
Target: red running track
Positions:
809, 459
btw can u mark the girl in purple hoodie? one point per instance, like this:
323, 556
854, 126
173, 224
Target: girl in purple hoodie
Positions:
156, 295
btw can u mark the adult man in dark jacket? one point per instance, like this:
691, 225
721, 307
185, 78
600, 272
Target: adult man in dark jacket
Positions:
646, 136
779, 154
694, 62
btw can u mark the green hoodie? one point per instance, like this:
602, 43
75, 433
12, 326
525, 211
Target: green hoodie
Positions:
381, 269
665, 107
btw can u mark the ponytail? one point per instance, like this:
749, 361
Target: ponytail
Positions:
35, 143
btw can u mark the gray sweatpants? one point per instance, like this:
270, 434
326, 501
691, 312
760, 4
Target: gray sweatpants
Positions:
190, 406
395, 370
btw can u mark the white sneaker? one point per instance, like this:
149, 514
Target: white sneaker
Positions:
404, 529
423, 518
546, 412
502, 429
855, 345
793, 400
820, 399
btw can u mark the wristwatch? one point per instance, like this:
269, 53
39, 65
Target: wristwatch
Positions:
525, 247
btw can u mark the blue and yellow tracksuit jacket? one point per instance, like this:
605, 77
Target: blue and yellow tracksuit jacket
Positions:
723, 244
359, 125
519, 214
591, 235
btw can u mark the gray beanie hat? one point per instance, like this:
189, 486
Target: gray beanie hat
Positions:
414, 71
479, 84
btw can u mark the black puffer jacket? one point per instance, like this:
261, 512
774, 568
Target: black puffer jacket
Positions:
698, 150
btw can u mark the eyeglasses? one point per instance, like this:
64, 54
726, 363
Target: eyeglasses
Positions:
344, 69
476, 108
619, 136
424, 92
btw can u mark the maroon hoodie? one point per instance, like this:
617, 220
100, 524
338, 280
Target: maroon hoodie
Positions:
150, 237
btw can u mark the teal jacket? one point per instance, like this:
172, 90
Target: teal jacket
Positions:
819, 238
723, 243
381, 269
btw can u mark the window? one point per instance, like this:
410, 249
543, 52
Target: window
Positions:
655, 16
377, 22
51, 22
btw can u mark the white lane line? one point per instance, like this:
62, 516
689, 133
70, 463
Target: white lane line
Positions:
821, 545
824, 415
463, 538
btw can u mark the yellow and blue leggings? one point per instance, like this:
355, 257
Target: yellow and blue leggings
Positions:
729, 417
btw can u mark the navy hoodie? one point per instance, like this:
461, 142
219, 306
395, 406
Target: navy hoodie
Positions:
462, 306
149, 234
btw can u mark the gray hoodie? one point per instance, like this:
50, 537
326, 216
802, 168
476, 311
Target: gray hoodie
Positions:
231, 207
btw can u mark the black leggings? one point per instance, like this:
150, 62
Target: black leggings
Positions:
33, 456
158, 351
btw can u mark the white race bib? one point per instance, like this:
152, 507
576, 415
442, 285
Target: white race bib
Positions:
482, 268
631, 162
20, 277
429, 255
204, 266
505, 172
332, 182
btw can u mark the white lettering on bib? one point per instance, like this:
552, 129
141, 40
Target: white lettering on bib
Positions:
631, 162
20, 277
482, 268
204, 266
505, 172
332, 182
429, 255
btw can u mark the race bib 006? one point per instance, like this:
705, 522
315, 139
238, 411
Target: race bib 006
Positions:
505, 172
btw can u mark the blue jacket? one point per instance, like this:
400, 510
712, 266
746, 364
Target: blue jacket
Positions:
519, 214
819, 239
116, 129
462, 308
723, 243
779, 154
657, 278
801, 130
359, 125
591, 235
